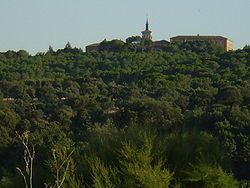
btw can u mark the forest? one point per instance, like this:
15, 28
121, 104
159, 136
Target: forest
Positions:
120, 117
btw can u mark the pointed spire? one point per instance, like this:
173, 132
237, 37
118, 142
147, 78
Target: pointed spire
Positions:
147, 25
146, 34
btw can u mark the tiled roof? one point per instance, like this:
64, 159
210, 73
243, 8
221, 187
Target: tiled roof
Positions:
95, 44
198, 37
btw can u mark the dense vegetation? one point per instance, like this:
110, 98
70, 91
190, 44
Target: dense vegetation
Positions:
176, 117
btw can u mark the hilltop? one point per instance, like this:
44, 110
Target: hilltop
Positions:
177, 115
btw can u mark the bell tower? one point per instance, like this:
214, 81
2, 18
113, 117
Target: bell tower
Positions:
147, 34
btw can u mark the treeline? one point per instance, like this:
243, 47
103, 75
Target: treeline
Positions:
178, 116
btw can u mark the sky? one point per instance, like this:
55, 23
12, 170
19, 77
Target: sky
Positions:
34, 25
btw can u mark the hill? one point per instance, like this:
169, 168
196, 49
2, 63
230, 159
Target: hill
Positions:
175, 116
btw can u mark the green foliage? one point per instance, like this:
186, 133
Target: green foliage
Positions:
11, 181
152, 112
102, 176
9, 120
181, 150
113, 46
139, 166
229, 96
192, 96
62, 166
133, 40
207, 176
202, 47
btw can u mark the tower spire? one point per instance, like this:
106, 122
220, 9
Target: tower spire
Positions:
147, 34
147, 25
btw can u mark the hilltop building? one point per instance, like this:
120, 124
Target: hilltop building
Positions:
92, 47
223, 42
147, 34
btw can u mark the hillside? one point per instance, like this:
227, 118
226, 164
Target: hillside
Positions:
177, 116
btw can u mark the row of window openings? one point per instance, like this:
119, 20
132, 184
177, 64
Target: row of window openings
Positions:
214, 42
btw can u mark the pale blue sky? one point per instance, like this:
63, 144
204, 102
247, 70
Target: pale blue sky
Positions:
33, 25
